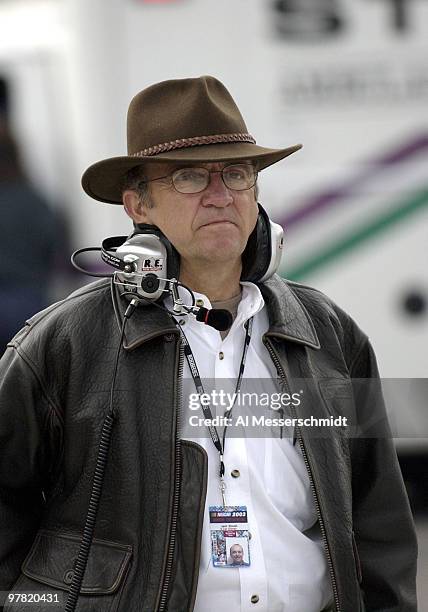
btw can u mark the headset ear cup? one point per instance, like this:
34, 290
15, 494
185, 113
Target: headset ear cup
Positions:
257, 255
173, 257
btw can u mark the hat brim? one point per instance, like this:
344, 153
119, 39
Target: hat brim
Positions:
103, 180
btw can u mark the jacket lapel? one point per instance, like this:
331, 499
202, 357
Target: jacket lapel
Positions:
288, 317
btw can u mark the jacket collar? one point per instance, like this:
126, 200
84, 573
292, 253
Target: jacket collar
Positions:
288, 318
146, 322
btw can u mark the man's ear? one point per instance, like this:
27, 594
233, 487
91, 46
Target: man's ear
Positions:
134, 206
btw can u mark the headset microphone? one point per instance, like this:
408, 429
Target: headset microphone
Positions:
218, 318
215, 317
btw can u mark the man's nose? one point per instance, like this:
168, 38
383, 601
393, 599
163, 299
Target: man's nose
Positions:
216, 193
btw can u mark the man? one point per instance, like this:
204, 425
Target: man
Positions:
237, 555
326, 517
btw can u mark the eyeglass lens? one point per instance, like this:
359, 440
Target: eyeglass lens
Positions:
193, 180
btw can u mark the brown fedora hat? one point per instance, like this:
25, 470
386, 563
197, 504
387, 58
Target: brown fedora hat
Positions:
183, 120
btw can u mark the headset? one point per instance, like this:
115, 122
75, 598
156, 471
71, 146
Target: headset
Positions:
148, 266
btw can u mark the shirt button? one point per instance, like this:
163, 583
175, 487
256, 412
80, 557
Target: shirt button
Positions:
235, 473
199, 302
254, 598
182, 322
221, 355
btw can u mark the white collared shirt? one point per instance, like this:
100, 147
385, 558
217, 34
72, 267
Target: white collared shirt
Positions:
289, 570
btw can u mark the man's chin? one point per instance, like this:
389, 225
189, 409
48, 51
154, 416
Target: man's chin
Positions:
221, 253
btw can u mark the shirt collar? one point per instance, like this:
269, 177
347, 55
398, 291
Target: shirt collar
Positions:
288, 318
251, 301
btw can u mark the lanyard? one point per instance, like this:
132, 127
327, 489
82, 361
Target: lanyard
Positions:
206, 409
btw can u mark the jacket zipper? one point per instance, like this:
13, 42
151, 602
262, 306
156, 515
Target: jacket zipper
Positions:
176, 493
280, 369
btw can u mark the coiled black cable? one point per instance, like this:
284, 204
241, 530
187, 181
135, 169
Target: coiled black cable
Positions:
88, 531
97, 484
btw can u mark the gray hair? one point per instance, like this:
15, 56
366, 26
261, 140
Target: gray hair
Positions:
135, 179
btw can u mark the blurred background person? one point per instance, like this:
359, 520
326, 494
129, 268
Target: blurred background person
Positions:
30, 237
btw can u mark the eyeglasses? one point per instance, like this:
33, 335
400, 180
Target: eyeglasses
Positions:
237, 177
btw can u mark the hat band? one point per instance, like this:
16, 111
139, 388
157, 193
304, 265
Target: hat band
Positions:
183, 143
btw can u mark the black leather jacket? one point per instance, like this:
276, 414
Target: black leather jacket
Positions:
54, 392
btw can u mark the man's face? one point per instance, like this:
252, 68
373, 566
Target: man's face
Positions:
237, 553
210, 226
